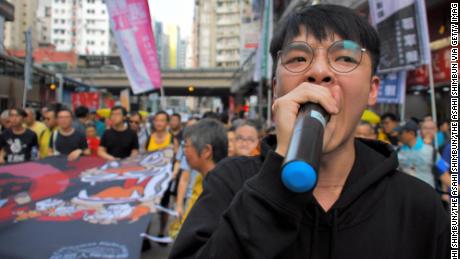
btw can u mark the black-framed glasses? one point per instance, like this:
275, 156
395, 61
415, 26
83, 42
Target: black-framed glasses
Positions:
343, 56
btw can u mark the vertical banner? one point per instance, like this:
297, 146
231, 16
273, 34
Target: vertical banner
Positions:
131, 25
2, 34
124, 99
263, 60
28, 61
402, 28
392, 88
250, 27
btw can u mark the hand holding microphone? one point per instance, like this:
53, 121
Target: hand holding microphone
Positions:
287, 110
301, 164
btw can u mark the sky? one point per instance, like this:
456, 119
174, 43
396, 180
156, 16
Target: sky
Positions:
179, 12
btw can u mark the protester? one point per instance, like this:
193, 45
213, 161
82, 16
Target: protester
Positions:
100, 126
17, 143
119, 141
135, 124
49, 117
361, 206
82, 117
365, 130
186, 177
416, 157
231, 142
246, 139
175, 126
161, 138
67, 140
92, 139
36, 126
389, 122
443, 134
427, 131
32, 124
205, 145
5, 122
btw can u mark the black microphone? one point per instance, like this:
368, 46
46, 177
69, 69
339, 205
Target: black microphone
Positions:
301, 164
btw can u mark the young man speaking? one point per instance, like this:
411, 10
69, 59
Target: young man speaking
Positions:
361, 206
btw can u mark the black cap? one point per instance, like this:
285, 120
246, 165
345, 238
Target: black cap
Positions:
409, 125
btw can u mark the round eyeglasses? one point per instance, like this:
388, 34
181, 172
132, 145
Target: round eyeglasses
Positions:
343, 56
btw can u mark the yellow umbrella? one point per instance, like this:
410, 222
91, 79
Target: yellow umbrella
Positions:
371, 117
104, 112
144, 114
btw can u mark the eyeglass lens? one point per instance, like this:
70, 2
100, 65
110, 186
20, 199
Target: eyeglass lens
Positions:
343, 56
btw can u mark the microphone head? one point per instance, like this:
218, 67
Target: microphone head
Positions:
298, 176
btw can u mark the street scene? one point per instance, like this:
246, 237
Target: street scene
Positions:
228, 129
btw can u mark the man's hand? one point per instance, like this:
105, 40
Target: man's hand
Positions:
111, 158
74, 155
180, 212
286, 108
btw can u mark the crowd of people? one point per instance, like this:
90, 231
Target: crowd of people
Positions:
82, 132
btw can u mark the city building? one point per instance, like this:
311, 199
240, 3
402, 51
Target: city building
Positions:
6, 15
24, 18
43, 22
216, 33
80, 25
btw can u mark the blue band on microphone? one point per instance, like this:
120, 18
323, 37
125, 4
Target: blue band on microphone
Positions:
298, 176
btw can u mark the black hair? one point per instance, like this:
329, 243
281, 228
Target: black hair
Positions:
21, 112
162, 112
323, 21
121, 108
366, 123
224, 118
90, 125
63, 108
177, 115
390, 116
81, 111
211, 115
136, 113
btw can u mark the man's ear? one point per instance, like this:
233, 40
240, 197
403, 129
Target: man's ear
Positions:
374, 91
206, 152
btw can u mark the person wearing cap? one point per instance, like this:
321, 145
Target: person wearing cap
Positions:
415, 157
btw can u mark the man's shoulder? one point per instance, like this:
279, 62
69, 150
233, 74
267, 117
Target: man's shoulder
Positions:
412, 190
234, 171
29, 133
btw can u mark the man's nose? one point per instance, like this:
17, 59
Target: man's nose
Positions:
320, 72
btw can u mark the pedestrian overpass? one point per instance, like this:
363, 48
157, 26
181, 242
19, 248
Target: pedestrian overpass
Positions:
176, 82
